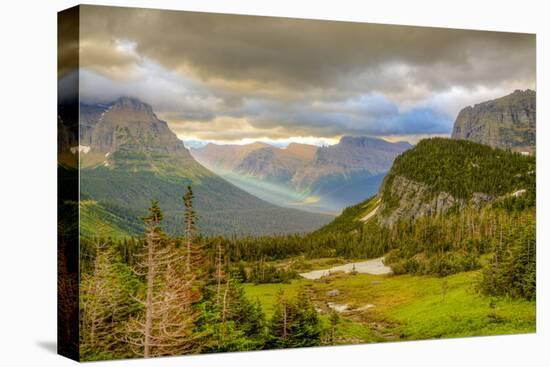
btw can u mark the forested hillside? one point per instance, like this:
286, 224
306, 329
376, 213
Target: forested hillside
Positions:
162, 296
462, 168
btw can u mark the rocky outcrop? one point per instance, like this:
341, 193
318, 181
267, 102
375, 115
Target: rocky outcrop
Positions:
90, 115
507, 122
411, 200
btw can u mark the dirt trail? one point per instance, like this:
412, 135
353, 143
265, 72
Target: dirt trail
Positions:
374, 266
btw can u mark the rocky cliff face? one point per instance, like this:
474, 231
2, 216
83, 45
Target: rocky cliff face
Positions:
507, 122
411, 200
129, 124
441, 175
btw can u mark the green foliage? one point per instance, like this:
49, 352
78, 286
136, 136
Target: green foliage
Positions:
348, 220
449, 244
126, 250
408, 307
112, 222
499, 239
512, 268
294, 324
334, 320
230, 322
106, 303
265, 273
190, 217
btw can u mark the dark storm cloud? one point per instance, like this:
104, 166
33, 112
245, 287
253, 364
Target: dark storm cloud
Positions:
320, 77
368, 115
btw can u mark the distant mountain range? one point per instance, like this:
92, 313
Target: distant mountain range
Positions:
130, 157
316, 178
508, 122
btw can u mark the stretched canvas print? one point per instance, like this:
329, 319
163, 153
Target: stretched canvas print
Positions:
237, 183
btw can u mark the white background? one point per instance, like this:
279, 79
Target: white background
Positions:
28, 182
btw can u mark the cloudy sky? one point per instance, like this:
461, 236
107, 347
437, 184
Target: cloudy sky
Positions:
234, 79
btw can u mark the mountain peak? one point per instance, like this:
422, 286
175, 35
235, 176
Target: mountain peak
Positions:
127, 124
132, 103
354, 140
299, 150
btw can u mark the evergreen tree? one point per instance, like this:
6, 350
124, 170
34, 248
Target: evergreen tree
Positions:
295, 323
512, 269
229, 321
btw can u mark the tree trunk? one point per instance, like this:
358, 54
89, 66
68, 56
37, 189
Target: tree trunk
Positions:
149, 301
219, 273
189, 240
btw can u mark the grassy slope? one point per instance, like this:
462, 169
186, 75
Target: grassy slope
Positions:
349, 220
95, 219
409, 307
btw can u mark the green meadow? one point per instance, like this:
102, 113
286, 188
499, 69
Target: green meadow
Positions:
405, 307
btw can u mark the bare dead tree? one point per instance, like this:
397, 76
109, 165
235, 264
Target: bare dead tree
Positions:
166, 327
